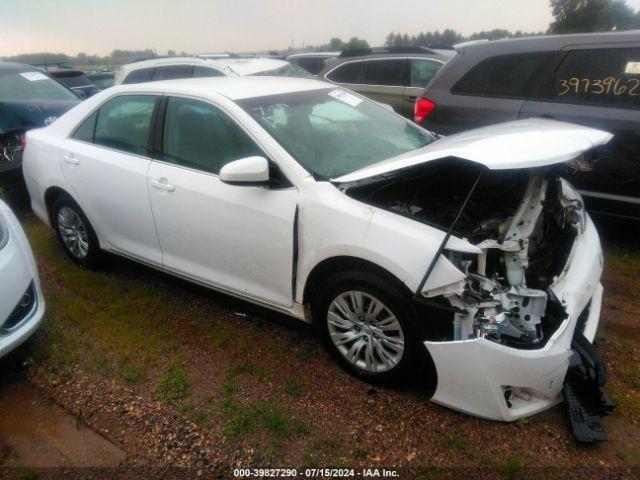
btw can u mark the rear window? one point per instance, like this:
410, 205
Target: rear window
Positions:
172, 72
505, 75
601, 77
313, 65
139, 76
288, 70
199, 71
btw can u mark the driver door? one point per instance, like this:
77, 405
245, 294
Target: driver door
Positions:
234, 238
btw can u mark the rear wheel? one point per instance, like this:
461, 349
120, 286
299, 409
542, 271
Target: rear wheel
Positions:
369, 326
74, 232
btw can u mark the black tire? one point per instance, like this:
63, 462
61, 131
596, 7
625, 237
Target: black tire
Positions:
92, 256
414, 357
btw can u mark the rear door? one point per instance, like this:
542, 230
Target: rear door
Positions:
599, 86
106, 162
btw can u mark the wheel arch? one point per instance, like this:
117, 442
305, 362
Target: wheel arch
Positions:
336, 264
50, 197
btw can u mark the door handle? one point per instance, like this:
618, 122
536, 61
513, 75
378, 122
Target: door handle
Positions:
70, 159
165, 187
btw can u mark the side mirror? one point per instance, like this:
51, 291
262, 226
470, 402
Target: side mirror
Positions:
250, 171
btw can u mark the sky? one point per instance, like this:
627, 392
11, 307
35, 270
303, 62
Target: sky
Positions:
199, 26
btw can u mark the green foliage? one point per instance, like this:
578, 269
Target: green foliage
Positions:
575, 16
449, 37
173, 385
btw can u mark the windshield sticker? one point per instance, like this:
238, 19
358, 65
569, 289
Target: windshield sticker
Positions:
632, 67
34, 76
345, 97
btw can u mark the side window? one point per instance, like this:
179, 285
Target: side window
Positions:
123, 123
201, 136
139, 76
172, 72
352, 72
607, 77
384, 72
199, 71
86, 129
422, 71
504, 75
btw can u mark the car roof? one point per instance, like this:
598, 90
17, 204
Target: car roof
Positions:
239, 66
234, 88
547, 42
334, 62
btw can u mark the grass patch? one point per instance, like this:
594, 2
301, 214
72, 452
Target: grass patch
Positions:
320, 449
133, 373
172, 385
512, 467
291, 387
626, 262
199, 416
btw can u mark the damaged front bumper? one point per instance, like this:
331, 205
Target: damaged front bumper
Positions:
499, 382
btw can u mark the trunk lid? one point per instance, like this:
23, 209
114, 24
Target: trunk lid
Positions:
530, 143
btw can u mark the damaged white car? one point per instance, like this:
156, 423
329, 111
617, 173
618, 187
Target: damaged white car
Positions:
467, 258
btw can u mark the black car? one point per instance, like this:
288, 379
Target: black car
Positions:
29, 98
102, 78
75, 79
589, 79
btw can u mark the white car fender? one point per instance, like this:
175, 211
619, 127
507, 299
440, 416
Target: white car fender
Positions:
402, 246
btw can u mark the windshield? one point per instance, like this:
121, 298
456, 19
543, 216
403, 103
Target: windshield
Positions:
31, 86
333, 132
288, 70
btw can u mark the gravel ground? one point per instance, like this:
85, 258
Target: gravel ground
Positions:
242, 387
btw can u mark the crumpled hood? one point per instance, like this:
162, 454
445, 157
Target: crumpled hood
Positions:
530, 143
24, 115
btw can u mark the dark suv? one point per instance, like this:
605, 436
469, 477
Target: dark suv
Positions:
589, 79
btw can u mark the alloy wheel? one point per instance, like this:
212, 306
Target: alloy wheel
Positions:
73, 233
365, 331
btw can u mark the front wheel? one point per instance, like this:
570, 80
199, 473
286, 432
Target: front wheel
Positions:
369, 326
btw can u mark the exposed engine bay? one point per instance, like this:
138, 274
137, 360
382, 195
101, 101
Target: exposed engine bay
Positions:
524, 221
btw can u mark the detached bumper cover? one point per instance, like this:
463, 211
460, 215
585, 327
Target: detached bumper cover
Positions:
493, 381
18, 275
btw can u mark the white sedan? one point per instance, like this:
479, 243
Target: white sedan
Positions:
21, 301
466, 258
